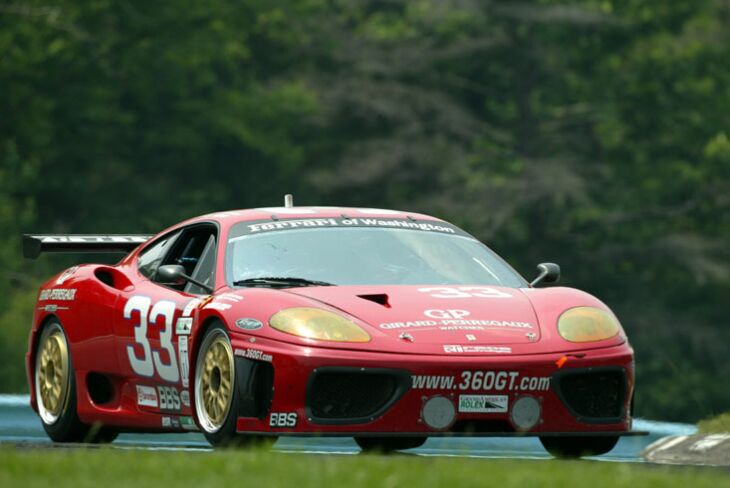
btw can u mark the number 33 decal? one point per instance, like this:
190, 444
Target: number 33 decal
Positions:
149, 361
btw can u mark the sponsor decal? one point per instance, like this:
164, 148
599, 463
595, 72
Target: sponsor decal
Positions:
292, 224
483, 403
489, 323
67, 294
409, 325
182, 352
283, 419
218, 306
253, 354
349, 222
185, 398
169, 398
172, 422
456, 348
455, 320
464, 292
249, 324
83, 239
472, 380
446, 314
463, 327
188, 310
388, 223
184, 326
146, 396
230, 297
453, 324
188, 423
66, 275
52, 307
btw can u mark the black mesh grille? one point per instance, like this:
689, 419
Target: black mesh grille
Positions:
352, 394
594, 394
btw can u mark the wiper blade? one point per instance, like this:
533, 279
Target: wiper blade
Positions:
280, 281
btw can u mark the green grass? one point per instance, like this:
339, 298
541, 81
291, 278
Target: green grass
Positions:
721, 423
105, 467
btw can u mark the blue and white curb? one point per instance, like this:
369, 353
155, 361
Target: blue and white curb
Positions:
14, 401
700, 450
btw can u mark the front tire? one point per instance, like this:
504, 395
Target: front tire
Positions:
216, 396
389, 444
576, 447
55, 391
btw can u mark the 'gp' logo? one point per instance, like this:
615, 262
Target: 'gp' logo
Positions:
446, 314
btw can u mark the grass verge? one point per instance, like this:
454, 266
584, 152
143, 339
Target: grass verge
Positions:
80, 468
721, 423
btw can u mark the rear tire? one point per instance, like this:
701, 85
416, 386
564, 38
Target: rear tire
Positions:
389, 444
576, 447
55, 391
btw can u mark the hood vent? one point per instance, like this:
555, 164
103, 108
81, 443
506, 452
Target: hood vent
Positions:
379, 298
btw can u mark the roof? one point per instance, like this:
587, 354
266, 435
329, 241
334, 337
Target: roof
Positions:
276, 213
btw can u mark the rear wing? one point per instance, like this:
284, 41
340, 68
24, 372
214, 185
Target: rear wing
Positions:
34, 245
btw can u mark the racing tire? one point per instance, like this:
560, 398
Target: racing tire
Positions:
55, 391
576, 447
389, 444
215, 394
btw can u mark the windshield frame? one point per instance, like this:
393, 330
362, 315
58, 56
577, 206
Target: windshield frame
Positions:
244, 229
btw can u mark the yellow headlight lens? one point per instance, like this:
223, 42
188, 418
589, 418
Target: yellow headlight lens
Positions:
315, 323
587, 324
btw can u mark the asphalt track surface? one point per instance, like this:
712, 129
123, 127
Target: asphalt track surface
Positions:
20, 426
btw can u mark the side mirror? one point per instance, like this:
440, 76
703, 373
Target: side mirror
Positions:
171, 274
549, 273
174, 274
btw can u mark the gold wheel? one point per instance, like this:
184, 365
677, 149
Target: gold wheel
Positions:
52, 374
214, 381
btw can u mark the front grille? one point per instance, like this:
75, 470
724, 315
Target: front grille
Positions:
353, 395
594, 395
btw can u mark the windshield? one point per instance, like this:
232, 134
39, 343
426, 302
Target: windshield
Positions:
364, 256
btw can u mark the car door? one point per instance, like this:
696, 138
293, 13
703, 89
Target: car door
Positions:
155, 319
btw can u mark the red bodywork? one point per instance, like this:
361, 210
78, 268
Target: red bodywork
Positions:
99, 336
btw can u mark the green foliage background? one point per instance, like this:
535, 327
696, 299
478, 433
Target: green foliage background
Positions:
591, 133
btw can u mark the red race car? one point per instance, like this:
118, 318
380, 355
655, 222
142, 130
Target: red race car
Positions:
386, 326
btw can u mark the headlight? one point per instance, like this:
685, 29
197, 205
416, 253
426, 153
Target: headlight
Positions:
315, 323
587, 324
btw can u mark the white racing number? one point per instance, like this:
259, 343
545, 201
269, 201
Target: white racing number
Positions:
464, 292
146, 364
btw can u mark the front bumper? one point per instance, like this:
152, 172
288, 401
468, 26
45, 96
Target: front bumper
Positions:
298, 390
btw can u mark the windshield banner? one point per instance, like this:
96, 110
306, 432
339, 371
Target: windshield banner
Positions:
262, 226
